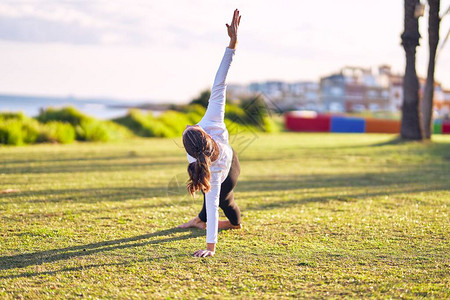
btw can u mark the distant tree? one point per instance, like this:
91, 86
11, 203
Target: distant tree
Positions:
202, 99
433, 41
411, 125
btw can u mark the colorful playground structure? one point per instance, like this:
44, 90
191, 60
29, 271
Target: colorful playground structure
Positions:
313, 122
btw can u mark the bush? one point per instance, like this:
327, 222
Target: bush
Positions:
235, 114
12, 115
117, 132
11, 132
195, 108
91, 130
255, 110
194, 112
57, 132
202, 99
101, 131
31, 130
18, 129
271, 125
235, 128
175, 120
66, 114
145, 125
86, 128
159, 129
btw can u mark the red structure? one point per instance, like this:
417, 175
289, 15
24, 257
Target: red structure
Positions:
446, 127
320, 123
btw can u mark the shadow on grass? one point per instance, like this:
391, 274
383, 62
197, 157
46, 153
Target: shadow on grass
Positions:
431, 175
349, 197
48, 256
434, 148
89, 195
99, 166
87, 267
53, 159
407, 181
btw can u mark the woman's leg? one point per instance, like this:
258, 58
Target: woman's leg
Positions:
227, 203
231, 210
202, 214
198, 221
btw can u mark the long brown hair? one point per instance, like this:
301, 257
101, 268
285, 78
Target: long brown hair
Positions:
200, 146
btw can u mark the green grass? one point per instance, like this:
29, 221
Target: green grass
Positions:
325, 215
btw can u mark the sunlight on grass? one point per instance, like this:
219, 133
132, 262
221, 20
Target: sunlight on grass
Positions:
325, 215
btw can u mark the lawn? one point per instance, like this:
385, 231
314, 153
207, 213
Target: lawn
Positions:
324, 215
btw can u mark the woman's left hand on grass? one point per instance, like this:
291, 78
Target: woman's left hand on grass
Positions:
203, 253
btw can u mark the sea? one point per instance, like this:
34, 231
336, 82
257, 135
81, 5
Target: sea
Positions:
103, 109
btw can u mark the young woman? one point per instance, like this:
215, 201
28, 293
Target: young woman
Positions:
213, 165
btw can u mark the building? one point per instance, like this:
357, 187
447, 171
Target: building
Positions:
356, 89
282, 95
441, 103
352, 89
396, 92
303, 95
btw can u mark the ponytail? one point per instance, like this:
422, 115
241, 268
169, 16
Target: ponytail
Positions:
200, 146
199, 175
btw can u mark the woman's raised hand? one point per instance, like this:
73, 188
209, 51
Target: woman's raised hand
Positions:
233, 29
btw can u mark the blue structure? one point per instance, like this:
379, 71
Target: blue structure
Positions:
346, 124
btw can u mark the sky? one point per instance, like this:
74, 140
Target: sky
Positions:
169, 51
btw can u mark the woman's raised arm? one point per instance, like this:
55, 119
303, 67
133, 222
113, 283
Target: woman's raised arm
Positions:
216, 104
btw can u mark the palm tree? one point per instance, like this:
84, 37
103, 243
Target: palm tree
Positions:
433, 41
411, 126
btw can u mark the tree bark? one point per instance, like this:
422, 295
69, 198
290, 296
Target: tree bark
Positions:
433, 41
411, 128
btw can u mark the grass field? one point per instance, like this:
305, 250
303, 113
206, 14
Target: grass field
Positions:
325, 215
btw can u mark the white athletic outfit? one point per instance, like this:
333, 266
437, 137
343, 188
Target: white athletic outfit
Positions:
213, 123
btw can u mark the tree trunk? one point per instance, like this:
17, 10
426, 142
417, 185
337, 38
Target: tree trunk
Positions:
411, 126
433, 41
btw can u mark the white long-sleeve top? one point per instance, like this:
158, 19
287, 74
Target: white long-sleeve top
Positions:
213, 123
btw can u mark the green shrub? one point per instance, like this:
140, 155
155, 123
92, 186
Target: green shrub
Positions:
194, 113
66, 114
91, 130
100, 131
145, 124
271, 125
12, 115
193, 118
18, 129
202, 99
159, 129
255, 110
175, 120
135, 121
31, 130
235, 128
194, 108
11, 132
117, 132
235, 114
86, 128
57, 132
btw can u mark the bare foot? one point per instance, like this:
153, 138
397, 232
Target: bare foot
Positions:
227, 225
195, 222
